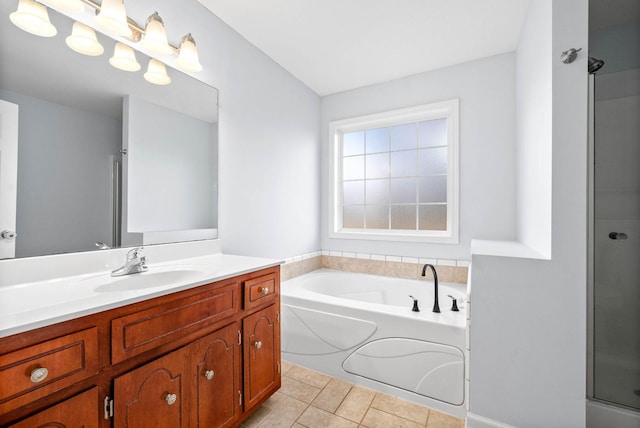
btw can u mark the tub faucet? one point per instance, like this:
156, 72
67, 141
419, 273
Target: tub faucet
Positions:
135, 263
436, 306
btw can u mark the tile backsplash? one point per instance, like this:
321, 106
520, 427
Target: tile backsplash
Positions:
377, 264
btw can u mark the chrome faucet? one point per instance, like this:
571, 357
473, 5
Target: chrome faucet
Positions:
135, 263
436, 306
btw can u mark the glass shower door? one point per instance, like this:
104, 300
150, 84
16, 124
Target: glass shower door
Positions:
616, 240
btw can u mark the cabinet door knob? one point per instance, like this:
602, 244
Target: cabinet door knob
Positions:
171, 398
257, 344
264, 290
209, 374
39, 374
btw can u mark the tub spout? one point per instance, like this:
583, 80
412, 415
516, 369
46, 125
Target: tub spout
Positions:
436, 305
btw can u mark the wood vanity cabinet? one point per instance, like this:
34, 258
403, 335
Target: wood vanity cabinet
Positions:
203, 357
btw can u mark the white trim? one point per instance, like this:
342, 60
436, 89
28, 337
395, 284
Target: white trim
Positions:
446, 109
475, 421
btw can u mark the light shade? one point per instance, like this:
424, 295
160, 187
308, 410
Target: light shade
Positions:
113, 18
72, 6
33, 18
124, 58
83, 40
155, 37
157, 73
188, 58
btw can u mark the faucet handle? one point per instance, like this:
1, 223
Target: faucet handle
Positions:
454, 303
415, 304
134, 253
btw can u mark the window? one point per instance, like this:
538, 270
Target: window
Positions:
395, 175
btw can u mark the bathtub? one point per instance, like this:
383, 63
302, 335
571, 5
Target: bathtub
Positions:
360, 328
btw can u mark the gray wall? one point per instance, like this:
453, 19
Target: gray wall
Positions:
528, 317
268, 138
63, 160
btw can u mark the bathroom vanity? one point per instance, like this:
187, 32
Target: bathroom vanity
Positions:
205, 354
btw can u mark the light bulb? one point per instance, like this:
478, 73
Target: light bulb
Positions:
113, 17
33, 18
83, 40
157, 73
188, 58
155, 36
124, 58
70, 6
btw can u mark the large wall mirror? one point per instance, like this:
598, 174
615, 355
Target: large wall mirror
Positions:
103, 156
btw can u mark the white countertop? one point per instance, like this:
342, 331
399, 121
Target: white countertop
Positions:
31, 305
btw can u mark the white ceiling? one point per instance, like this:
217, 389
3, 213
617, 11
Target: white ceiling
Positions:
337, 45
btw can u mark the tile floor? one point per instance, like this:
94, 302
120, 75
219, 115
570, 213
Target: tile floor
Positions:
314, 400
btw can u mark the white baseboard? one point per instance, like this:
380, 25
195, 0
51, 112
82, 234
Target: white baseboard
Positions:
475, 421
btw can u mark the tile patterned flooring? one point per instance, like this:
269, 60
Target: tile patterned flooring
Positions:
314, 400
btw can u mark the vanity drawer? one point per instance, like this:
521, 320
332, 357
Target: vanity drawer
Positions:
36, 371
260, 290
172, 322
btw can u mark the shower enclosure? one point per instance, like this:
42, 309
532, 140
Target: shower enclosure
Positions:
614, 289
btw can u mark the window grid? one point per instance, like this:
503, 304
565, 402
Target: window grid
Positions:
388, 204
413, 192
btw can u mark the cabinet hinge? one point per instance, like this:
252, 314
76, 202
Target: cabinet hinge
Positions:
239, 398
279, 368
239, 337
278, 316
108, 407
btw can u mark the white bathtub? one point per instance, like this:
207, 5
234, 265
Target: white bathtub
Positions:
360, 328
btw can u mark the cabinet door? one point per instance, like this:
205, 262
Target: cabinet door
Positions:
261, 332
217, 359
152, 395
81, 411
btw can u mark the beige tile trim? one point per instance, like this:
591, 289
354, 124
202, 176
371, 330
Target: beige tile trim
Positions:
402, 267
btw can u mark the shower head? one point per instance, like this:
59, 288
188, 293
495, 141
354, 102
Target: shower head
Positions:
594, 64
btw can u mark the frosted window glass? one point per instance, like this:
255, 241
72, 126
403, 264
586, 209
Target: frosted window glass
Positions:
378, 165
432, 161
432, 217
403, 191
377, 217
403, 164
353, 217
403, 217
353, 168
377, 192
353, 143
432, 133
353, 192
433, 189
404, 137
377, 140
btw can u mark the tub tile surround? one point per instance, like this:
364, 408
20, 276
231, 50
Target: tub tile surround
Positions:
455, 271
314, 400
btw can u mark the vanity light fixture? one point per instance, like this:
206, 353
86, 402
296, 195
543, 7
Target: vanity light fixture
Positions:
157, 73
124, 58
83, 40
71, 6
33, 18
155, 36
113, 17
188, 57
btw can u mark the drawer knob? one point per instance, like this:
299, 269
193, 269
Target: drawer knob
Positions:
264, 290
257, 344
209, 374
171, 399
39, 374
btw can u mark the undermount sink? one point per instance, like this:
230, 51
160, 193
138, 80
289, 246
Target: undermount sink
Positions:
148, 279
